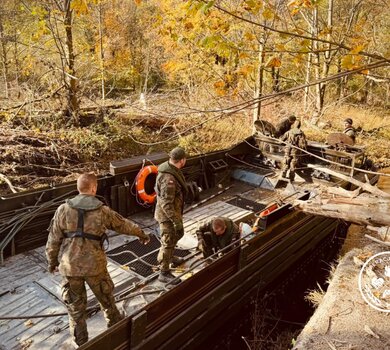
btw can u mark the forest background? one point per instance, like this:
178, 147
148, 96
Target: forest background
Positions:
84, 82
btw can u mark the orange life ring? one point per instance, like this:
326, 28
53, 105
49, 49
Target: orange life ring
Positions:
268, 210
140, 184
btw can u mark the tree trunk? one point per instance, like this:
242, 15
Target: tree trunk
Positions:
259, 79
4, 58
355, 210
71, 80
307, 80
102, 72
327, 54
275, 79
316, 56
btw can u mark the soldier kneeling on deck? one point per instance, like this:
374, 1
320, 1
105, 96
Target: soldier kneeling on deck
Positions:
216, 234
78, 231
293, 138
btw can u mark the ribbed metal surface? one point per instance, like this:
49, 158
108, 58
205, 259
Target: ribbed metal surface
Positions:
133, 250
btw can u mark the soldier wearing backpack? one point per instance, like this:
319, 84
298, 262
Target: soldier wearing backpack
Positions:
294, 137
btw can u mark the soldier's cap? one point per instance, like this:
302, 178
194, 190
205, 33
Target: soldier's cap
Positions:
292, 118
349, 121
178, 153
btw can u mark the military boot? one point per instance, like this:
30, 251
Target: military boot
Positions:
177, 261
167, 277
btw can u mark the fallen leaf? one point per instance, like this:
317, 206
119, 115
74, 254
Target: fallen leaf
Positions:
29, 323
370, 331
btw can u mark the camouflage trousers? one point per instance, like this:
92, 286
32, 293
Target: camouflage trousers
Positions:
290, 162
75, 297
169, 238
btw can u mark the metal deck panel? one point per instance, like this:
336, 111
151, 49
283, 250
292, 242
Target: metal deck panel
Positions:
19, 270
43, 296
30, 299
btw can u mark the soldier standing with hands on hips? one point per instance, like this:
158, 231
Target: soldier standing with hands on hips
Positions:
79, 228
171, 190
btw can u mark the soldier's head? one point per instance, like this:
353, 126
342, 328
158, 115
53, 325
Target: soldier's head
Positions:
178, 157
219, 226
87, 184
348, 122
292, 119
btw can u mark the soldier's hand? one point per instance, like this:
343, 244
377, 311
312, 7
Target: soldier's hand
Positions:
178, 225
145, 240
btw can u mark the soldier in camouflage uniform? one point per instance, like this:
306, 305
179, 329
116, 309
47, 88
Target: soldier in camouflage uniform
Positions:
293, 137
78, 228
284, 126
216, 234
171, 190
349, 129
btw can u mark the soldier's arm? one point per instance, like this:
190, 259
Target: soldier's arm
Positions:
203, 228
55, 238
114, 221
204, 239
235, 233
167, 197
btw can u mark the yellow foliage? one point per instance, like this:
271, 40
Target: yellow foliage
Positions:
245, 70
188, 25
357, 49
351, 62
219, 84
268, 13
243, 55
249, 36
79, 6
274, 62
252, 6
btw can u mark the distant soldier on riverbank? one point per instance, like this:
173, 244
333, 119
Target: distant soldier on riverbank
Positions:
294, 137
349, 129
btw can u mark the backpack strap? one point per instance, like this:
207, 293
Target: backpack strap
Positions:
79, 233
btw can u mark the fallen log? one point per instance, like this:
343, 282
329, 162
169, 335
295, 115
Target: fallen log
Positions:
339, 191
361, 212
365, 186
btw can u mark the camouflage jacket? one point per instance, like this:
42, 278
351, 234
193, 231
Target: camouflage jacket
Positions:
282, 127
351, 132
82, 256
295, 137
170, 189
231, 234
